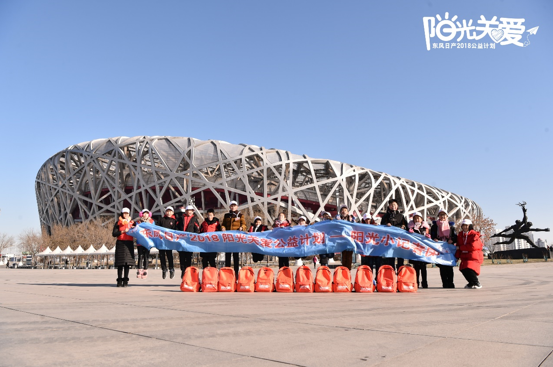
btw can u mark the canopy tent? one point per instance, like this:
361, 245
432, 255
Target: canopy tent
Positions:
102, 250
56, 252
46, 252
78, 251
67, 251
90, 250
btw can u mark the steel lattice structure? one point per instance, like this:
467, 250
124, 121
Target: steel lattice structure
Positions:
98, 178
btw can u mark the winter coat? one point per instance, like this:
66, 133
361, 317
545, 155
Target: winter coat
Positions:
261, 228
233, 221
396, 219
279, 224
168, 222
124, 249
470, 251
189, 224
210, 225
423, 229
434, 232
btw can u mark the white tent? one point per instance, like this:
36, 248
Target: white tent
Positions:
67, 251
90, 250
78, 251
154, 251
46, 252
57, 251
102, 250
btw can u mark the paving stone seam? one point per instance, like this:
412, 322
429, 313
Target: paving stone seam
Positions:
546, 358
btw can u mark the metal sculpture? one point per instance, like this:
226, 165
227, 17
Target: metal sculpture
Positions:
517, 230
98, 178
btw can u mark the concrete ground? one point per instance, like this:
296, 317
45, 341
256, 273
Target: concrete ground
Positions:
78, 317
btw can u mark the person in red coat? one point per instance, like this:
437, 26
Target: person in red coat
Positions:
470, 253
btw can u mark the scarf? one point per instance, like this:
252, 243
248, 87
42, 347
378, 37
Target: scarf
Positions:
443, 230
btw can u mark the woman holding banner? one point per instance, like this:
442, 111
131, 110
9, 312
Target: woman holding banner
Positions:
282, 222
443, 230
143, 252
418, 225
124, 247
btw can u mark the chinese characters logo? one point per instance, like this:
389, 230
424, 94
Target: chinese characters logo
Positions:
506, 31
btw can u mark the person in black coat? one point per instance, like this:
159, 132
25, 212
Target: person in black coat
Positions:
393, 217
188, 223
124, 247
443, 230
170, 222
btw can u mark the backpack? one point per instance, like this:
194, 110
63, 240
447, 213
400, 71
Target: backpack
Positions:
191, 280
407, 279
323, 279
246, 280
342, 280
285, 280
265, 280
386, 280
227, 280
304, 280
210, 277
364, 280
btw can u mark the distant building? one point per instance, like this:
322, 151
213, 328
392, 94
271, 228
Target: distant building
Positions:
541, 243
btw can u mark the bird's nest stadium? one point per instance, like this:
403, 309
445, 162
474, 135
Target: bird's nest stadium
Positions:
96, 179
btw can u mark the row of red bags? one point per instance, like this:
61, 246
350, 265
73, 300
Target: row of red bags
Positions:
225, 280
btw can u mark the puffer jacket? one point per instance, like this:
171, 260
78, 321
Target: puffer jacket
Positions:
470, 250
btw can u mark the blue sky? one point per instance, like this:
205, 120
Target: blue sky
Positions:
350, 81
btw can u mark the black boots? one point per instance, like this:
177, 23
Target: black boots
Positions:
172, 273
164, 273
119, 282
125, 282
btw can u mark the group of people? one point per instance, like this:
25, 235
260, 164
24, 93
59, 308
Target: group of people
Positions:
469, 245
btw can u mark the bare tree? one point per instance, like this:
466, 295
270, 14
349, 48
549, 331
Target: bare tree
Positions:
31, 242
6, 242
95, 233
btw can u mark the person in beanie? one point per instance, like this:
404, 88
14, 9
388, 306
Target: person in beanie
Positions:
282, 222
443, 230
257, 226
393, 217
418, 225
188, 223
170, 222
347, 255
143, 252
124, 247
470, 252
373, 262
233, 221
210, 224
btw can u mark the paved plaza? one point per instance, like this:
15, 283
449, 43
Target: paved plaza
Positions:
79, 317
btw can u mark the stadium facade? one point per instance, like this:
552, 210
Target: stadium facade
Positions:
96, 179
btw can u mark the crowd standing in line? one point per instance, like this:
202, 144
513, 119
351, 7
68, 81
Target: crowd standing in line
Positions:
469, 245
